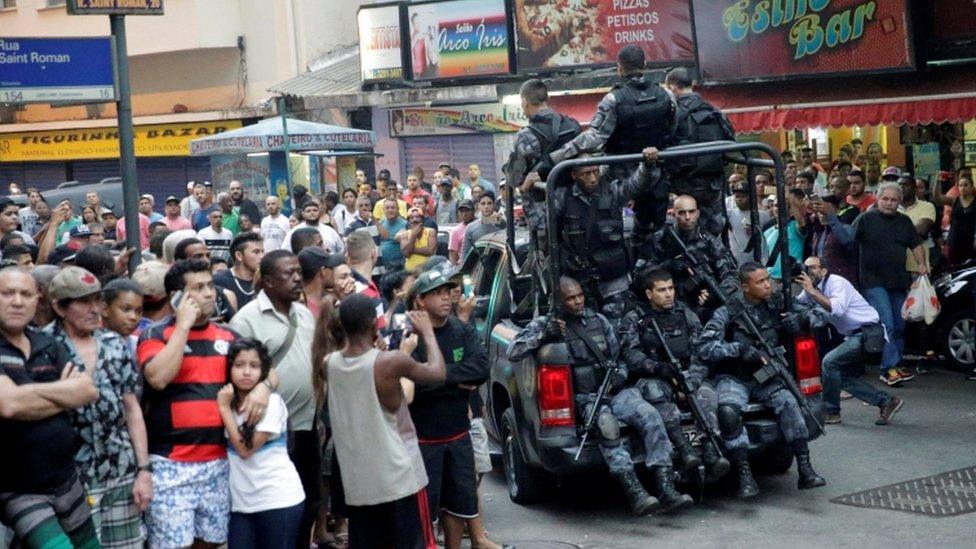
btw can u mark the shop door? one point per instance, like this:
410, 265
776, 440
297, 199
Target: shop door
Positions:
458, 150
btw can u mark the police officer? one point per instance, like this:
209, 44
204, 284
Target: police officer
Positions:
697, 121
547, 130
590, 228
636, 114
645, 356
734, 357
713, 259
582, 329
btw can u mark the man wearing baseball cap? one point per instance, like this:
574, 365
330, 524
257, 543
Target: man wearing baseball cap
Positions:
147, 203
173, 220
891, 174
465, 215
440, 414
113, 458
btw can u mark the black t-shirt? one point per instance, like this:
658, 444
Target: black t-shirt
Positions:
441, 411
243, 289
884, 240
38, 456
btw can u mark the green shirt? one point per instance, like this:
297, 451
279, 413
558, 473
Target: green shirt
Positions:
232, 222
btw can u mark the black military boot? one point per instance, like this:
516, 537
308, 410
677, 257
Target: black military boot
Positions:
716, 466
671, 499
688, 458
808, 478
747, 484
641, 503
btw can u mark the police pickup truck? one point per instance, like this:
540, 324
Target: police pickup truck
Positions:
530, 415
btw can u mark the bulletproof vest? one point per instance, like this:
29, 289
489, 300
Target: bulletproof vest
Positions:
585, 378
675, 329
697, 121
645, 115
766, 317
594, 231
553, 130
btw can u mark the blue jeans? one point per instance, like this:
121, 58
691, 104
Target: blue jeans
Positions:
841, 369
271, 529
888, 303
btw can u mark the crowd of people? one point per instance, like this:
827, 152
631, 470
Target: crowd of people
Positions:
309, 372
188, 403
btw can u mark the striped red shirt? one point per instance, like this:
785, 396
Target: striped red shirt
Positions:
182, 419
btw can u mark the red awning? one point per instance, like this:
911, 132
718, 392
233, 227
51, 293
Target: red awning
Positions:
882, 111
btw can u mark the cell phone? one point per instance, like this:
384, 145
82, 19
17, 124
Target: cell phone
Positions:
177, 298
468, 286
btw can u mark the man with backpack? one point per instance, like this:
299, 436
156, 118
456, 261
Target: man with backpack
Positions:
635, 115
701, 177
547, 131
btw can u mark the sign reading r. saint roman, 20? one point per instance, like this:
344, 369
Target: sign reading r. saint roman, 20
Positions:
52, 70
115, 7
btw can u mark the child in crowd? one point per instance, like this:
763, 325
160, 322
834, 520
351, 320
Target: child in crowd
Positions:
266, 493
123, 309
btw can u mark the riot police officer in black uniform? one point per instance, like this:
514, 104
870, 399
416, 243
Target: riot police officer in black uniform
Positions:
645, 356
709, 258
590, 229
697, 121
635, 115
582, 329
734, 357
547, 131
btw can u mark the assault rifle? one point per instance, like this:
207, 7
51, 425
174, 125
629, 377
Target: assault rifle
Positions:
681, 384
774, 367
612, 366
698, 270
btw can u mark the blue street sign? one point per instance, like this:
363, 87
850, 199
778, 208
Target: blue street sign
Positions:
52, 70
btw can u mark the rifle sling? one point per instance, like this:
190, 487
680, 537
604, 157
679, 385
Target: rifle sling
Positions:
588, 341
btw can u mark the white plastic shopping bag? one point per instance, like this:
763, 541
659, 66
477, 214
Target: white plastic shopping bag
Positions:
922, 303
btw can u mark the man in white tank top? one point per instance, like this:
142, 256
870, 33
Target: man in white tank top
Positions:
376, 443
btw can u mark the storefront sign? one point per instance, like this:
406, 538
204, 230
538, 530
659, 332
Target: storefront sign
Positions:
745, 40
115, 7
380, 57
50, 70
554, 33
488, 118
95, 143
458, 38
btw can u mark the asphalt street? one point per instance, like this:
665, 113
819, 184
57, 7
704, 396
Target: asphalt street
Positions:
934, 432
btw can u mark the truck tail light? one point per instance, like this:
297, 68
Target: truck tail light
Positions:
555, 396
807, 364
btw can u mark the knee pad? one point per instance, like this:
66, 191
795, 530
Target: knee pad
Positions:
608, 426
729, 420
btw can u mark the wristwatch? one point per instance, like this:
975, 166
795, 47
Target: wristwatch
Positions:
147, 468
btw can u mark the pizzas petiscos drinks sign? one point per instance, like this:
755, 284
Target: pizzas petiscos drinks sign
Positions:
749, 40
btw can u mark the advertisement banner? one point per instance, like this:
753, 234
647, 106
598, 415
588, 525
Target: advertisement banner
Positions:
487, 118
458, 39
749, 40
95, 143
570, 33
380, 57
48, 70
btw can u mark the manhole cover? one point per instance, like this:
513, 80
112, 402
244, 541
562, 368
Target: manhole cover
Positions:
942, 495
541, 544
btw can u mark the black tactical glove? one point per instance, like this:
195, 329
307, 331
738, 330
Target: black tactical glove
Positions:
693, 381
751, 355
792, 323
618, 381
551, 331
666, 371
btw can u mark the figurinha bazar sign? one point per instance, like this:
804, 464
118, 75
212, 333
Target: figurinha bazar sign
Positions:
748, 40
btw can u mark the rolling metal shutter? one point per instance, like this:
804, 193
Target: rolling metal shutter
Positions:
162, 177
43, 175
93, 171
458, 150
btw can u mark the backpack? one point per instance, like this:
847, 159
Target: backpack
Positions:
700, 122
553, 132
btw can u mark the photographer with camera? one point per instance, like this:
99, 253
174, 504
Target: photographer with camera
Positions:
855, 319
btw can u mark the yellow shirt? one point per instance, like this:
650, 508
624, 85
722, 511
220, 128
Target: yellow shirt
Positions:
922, 209
378, 209
416, 260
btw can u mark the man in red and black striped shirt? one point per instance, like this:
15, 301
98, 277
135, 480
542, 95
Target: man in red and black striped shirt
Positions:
184, 363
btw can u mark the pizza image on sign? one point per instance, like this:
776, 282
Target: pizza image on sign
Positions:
574, 33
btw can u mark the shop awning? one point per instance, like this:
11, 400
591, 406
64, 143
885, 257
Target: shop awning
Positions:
268, 135
863, 112
336, 74
940, 95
